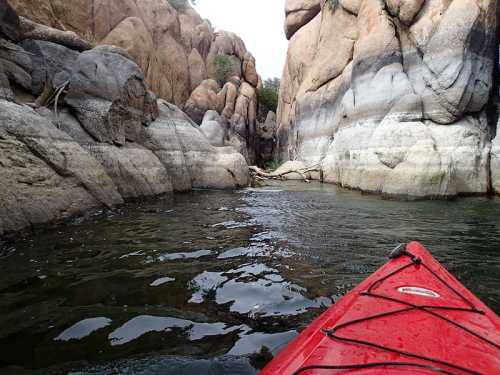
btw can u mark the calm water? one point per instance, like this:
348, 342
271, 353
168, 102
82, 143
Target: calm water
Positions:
199, 283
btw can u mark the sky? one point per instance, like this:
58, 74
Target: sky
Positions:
258, 22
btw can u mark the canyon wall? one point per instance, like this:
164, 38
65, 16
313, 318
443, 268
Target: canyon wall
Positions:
80, 129
183, 59
390, 96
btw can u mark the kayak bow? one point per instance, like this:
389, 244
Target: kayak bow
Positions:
410, 316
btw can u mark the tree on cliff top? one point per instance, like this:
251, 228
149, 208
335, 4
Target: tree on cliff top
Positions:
268, 96
223, 68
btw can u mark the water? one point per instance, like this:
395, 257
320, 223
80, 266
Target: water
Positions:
203, 281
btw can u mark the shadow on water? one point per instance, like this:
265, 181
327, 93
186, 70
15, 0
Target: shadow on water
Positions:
201, 283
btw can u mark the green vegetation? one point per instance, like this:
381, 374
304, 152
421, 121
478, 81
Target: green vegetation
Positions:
223, 68
268, 96
272, 165
332, 4
181, 4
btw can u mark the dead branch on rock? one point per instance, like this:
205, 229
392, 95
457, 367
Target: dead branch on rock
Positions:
59, 91
259, 174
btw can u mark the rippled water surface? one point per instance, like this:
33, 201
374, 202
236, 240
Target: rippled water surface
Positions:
200, 283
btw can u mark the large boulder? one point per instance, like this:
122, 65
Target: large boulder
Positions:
370, 94
214, 128
192, 162
134, 169
132, 35
46, 175
106, 89
48, 59
175, 47
250, 70
76, 15
202, 99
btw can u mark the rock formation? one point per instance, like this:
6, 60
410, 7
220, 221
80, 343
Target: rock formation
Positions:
390, 96
178, 51
82, 130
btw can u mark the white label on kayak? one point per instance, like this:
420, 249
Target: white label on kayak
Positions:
417, 291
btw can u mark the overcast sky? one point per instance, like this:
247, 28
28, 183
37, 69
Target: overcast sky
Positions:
258, 22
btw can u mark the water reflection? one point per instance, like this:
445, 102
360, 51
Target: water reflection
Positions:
176, 285
144, 324
83, 329
162, 280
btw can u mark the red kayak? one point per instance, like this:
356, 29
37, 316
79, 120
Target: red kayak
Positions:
410, 317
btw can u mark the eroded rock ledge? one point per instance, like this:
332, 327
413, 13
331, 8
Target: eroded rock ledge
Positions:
390, 96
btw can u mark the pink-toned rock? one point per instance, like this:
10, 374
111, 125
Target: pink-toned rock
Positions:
249, 70
202, 99
108, 14
197, 69
298, 13
131, 35
405, 10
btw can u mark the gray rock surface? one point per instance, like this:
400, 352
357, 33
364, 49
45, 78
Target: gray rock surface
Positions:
495, 163
266, 139
190, 159
46, 175
107, 91
48, 59
15, 67
390, 96
109, 141
214, 128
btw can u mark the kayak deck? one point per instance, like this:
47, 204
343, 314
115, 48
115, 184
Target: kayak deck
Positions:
411, 316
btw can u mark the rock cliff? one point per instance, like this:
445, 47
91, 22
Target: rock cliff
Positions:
183, 59
80, 129
390, 96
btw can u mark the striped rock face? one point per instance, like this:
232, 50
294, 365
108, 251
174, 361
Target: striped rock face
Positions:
390, 96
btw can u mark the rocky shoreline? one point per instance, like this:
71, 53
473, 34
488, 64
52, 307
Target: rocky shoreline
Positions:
80, 130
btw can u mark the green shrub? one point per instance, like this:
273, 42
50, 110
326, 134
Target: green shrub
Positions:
268, 96
272, 165
223, 68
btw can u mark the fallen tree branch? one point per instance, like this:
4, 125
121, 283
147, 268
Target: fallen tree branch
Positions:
261, 175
